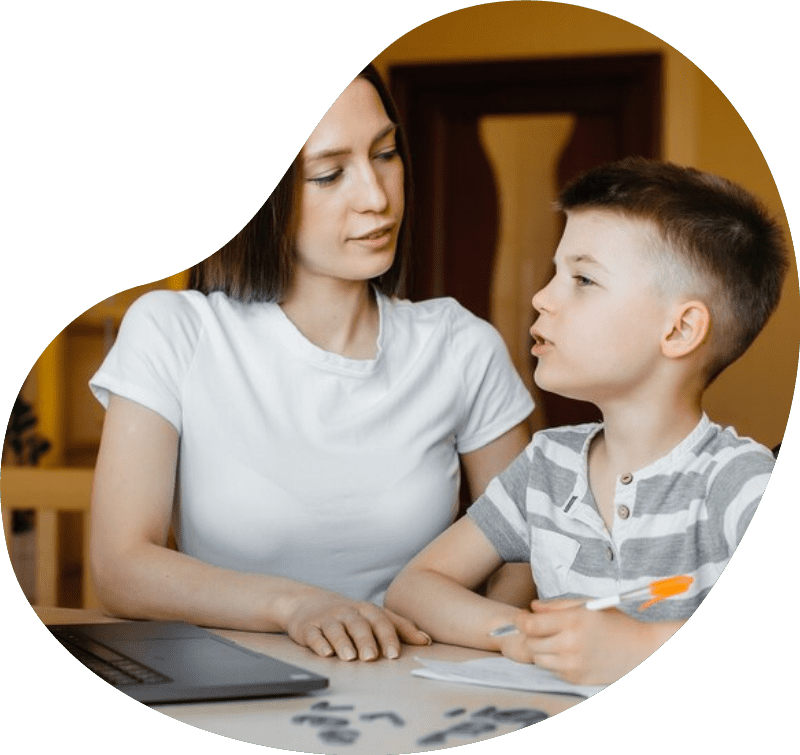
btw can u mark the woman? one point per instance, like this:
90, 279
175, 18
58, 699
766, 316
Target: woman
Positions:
298, 425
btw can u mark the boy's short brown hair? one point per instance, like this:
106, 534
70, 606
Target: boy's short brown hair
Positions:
720, 232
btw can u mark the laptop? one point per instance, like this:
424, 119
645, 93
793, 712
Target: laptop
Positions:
174, 662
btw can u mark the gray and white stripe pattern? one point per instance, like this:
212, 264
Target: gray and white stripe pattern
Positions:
683, 514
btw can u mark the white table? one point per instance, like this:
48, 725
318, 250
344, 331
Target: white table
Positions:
418, 714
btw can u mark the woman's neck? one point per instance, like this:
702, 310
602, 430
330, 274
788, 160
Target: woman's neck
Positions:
338, 316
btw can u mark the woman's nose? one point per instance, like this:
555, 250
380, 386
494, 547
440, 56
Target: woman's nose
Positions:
370, 193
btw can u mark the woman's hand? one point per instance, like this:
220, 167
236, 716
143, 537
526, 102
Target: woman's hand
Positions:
330, 624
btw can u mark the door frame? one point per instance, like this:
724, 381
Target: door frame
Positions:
432, 96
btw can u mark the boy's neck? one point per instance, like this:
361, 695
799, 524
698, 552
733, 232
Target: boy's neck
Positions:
635, 436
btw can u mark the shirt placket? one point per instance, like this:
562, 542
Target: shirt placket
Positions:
580, 506
624, 499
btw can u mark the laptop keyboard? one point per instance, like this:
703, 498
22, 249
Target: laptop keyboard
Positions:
114, 668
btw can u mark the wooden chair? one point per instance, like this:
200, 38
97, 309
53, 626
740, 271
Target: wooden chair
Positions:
49, 492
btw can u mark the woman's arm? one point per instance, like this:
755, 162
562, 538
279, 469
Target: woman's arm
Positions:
511, 583
137, 576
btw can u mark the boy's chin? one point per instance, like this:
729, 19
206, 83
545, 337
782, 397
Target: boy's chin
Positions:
549, 383
559, 387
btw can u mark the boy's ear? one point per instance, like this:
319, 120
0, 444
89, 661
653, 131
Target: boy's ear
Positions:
687, 329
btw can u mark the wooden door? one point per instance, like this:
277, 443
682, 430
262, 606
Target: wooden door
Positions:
616, 104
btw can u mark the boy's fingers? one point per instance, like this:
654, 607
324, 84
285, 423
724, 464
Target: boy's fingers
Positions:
559, 604
550, 661
544, 624
543, 646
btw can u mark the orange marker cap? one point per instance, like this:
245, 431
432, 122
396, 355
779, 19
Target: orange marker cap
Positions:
666, 588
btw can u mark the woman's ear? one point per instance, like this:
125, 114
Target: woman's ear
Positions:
687, 330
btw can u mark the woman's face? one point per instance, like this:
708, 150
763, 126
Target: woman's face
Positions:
352, 190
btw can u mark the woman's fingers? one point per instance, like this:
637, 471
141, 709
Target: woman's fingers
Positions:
359, 630
315, 641
363, 626
387, 635
407, 630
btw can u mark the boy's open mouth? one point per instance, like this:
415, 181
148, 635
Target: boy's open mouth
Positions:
538, 338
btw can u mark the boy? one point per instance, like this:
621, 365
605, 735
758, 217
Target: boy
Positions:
664, 276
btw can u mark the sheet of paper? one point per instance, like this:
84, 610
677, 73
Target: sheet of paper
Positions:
502, 672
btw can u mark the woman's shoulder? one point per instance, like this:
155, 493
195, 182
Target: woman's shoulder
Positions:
186, 309
165, 316
444, 311
166, 303
448, 326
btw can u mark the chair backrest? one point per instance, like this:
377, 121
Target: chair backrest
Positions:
48, 492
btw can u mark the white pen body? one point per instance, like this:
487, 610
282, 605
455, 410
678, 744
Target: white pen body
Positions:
599, 604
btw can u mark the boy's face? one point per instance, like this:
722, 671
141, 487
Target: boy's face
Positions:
601, 317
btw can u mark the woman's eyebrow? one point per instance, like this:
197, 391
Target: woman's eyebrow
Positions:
339, 151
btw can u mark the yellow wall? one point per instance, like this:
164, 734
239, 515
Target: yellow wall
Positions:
58, 386
701, 128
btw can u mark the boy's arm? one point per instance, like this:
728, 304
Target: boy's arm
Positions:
435, 590
511, 583
583, 646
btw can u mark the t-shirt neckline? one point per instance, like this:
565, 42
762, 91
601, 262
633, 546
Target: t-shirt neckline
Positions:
294, 339
666, 462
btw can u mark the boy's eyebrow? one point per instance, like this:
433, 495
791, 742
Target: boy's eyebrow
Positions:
586, 259
339, 151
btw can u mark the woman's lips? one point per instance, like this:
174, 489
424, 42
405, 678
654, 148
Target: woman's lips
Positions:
376, 238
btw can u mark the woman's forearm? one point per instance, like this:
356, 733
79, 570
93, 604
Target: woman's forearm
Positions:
152, 582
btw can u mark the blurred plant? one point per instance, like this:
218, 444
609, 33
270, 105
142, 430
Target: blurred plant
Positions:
26, 445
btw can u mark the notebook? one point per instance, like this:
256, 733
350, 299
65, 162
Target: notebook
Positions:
174, 662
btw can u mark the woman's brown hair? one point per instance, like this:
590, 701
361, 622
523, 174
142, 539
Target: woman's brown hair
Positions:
256, 265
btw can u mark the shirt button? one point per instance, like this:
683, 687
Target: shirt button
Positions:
609, 553
626, 479
623, 512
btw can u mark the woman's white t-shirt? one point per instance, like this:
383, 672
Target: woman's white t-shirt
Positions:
301, 463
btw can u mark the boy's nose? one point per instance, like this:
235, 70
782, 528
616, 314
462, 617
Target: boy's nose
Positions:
538, 300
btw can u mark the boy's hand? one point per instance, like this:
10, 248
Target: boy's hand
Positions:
583, 646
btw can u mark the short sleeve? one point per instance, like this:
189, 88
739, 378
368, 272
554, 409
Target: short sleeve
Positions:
736, 490
495, 398
500, 513
152, 353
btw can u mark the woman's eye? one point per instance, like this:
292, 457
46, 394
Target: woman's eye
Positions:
582, 280
326, 179
387, 154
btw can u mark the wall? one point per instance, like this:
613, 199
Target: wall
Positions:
529, 229
701, 128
